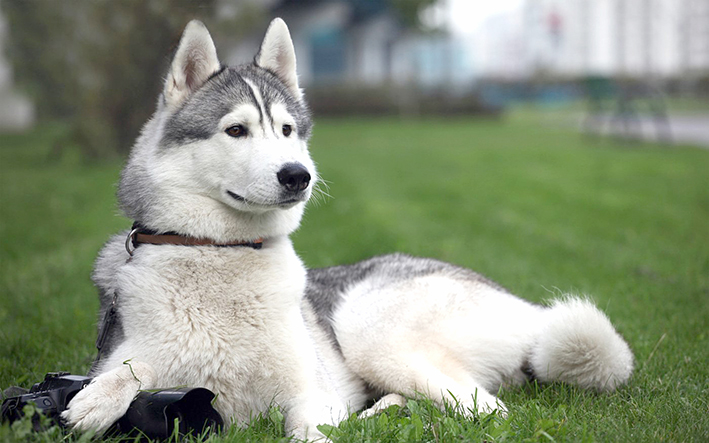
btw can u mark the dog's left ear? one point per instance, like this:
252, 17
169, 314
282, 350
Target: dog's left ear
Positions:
278, 55
195, 61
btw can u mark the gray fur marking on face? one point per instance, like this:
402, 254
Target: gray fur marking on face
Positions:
274, 91
199, 116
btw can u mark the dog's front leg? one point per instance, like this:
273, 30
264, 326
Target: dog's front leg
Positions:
307, 411
108, 396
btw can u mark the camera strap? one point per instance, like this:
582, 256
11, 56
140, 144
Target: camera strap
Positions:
108, 318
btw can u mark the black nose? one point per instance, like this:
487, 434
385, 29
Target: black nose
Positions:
294, 177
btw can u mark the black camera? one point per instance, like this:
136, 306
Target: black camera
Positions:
155, 415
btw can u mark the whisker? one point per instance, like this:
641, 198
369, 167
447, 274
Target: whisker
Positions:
320, 192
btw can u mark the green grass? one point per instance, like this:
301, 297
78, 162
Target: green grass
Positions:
541, 210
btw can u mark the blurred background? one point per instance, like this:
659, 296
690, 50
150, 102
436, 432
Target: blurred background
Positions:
633, 68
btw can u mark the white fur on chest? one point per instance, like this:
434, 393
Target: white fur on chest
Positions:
227, 319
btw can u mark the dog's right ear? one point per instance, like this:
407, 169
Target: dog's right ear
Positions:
195, 61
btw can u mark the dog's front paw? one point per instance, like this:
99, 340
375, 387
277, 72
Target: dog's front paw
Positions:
95, 408
108, 396
304, 419
484, 403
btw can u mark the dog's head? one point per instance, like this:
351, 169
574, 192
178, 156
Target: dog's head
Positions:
225, 155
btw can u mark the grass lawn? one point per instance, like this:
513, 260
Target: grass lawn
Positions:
541, 210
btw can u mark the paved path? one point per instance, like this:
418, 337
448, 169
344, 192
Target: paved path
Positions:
678, 129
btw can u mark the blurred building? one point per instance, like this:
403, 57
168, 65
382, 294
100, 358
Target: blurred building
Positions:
16, 112
640, 38
363, 42
499, 47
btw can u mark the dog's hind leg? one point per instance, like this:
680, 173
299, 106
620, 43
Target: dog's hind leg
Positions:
383, 403
108, 396
453, 387
416, 375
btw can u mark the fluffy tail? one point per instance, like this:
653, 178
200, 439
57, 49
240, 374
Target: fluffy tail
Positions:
579, 345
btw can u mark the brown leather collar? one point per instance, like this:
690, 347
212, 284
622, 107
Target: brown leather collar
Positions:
139, 235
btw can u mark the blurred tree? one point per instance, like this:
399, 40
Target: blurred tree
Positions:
410, 10
99, 64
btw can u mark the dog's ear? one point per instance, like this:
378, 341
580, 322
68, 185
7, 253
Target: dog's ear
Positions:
278, 55
195, 61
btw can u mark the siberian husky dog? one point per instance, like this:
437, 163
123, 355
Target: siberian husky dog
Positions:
207, 291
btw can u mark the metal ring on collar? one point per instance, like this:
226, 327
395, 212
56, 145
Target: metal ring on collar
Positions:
129, 241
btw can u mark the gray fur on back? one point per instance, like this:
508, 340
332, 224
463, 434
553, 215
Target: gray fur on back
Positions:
326, 286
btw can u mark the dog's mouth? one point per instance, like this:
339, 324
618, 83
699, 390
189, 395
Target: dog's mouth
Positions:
236, 197
285, 203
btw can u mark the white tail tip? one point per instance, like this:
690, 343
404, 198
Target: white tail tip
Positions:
580, 346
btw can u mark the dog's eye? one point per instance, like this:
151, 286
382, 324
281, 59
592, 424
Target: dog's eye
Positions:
236, 131
287, 129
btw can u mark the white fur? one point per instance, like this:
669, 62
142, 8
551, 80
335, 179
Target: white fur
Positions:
195, 60
228, 319
278, 55
579, 345
215, 318
107, 397
461, 341
190, 188
233, 320
451, 340
189, 185
383, 403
